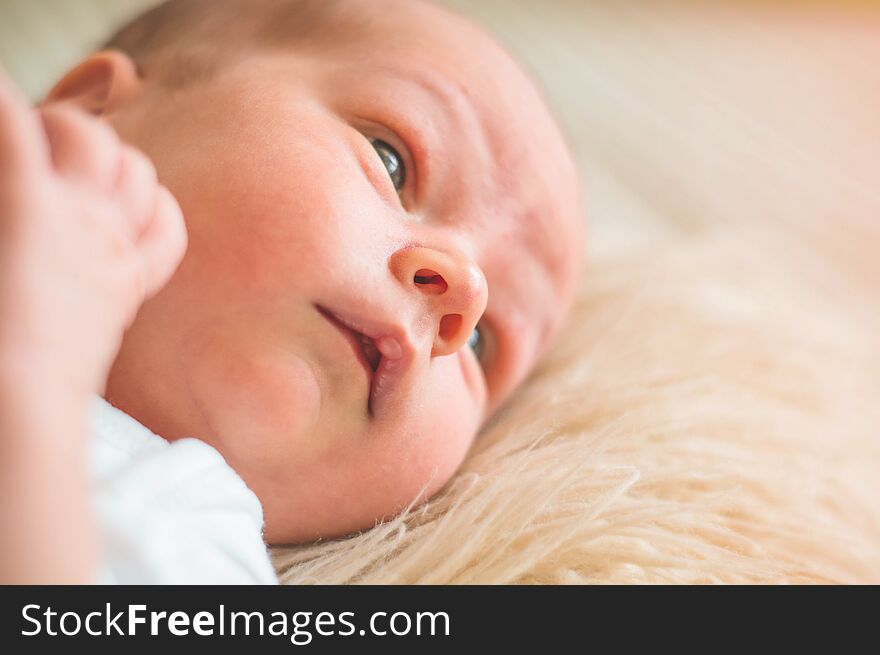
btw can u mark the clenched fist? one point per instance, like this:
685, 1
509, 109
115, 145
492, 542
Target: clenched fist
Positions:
86, 235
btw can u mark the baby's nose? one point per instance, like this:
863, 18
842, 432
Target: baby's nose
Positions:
451, 287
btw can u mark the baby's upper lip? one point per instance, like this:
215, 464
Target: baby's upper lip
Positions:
390, 340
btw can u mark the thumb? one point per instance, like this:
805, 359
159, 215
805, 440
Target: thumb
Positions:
162, 243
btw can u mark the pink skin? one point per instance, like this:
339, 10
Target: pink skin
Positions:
292, 218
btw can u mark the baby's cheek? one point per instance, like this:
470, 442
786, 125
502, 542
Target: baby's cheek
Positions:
257, 397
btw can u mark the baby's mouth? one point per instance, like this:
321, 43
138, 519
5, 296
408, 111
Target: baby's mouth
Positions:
364, 347
381, 351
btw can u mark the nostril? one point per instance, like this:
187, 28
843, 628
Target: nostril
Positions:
430, 281
449, 326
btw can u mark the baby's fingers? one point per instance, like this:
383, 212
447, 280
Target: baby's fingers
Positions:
162, 242
136, 190
23, 146
81, 146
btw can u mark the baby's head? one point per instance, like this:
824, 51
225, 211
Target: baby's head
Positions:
384, 233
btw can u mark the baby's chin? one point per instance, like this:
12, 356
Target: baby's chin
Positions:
344, 517
361, 481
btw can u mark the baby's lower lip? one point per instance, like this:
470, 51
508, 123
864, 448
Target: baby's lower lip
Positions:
382, 383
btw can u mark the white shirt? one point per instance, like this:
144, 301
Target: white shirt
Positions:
172, 513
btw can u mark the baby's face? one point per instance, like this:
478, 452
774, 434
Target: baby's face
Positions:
356, 210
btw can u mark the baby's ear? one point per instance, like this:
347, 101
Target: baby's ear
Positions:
105, 81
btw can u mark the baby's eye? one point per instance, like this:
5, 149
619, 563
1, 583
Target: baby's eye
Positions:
392, 161
475, 342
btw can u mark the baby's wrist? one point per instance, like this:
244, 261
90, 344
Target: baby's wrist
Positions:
36, 398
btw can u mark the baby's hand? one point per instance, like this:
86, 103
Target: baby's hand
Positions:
86, 235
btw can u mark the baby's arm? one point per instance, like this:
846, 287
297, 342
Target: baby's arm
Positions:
86, 234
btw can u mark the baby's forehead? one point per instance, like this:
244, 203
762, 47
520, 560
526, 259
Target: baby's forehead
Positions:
455, 67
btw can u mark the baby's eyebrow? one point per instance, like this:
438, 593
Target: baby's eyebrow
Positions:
449, 95
455, 108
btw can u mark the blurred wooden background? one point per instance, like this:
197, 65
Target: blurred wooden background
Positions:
683, 115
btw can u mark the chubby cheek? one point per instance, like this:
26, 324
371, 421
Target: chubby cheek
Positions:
256, 398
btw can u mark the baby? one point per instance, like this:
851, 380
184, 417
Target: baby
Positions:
384, 231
